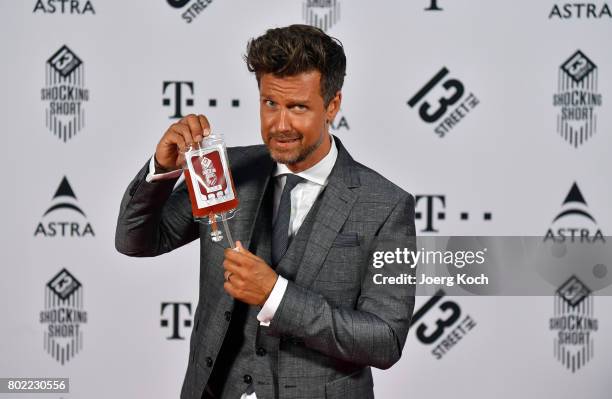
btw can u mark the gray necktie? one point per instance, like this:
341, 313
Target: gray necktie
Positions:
280, 231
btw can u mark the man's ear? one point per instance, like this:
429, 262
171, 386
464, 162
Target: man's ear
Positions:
333, 107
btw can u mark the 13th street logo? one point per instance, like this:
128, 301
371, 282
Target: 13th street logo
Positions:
446, 330
64, 204
63, 315
574, 323
193, 10
574, 223
65, 94
321, 13
447, 92
576, 99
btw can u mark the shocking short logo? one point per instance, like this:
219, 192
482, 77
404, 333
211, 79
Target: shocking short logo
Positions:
321, 13
209, 175
63, 316
207, 172
64, 217
65, 94
577, 99
574, 323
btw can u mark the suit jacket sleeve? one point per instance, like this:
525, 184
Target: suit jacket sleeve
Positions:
375, 331
154, 218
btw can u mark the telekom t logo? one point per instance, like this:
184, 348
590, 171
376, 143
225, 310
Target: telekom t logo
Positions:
178, 97
430, 214
176, 321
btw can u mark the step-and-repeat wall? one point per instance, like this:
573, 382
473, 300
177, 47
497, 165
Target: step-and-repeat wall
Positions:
496, 115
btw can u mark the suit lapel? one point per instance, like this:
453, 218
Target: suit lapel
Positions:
251, 181
337, 200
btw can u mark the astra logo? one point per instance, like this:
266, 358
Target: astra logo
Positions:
64, 7
174, 319
340, 122
574, 223
176, 94
191, 8
579, 11
64, 218
441, 323
432, 210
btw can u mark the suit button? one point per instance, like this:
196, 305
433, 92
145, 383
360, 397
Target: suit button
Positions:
228, 316
209, 361
247, 379
261, 351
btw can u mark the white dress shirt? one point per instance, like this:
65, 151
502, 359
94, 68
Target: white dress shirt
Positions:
303, 196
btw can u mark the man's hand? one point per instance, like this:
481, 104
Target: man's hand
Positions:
250, 280
180, 135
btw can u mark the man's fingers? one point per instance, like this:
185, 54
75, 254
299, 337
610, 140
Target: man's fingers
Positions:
231, 266
241, 256
235, 280
246, 252
183, 130
195, 128
204, 124
230, 289
176, 138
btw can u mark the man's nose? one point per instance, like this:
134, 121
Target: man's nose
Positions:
283, 124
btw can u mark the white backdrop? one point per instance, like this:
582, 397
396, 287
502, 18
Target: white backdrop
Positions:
504, 158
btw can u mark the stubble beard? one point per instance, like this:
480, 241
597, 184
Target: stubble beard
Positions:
291, 158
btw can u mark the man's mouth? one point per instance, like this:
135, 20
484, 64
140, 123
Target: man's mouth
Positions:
286, 141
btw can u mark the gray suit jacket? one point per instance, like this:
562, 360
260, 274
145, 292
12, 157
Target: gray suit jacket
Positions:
334, 321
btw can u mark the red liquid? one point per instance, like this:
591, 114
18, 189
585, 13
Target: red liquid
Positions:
217, 208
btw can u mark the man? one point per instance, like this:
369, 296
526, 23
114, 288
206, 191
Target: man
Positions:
294, 312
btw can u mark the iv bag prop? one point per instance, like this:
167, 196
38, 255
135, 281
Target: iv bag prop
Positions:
210, 185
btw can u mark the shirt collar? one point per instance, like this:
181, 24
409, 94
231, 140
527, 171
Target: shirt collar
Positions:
317, 173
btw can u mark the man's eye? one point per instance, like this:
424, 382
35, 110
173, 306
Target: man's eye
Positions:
269, 103
300, 107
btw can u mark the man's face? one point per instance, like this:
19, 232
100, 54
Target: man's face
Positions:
294, 119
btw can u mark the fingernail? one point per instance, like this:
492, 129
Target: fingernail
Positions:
206, 132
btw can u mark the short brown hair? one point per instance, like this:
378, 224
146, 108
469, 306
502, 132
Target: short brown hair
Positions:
295, 49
